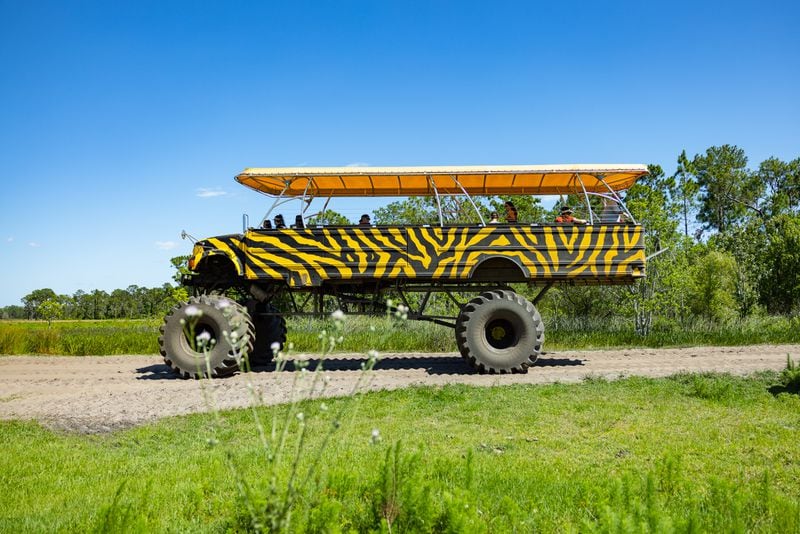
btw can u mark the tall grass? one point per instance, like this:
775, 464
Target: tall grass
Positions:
79, 338
390, 334
592, 332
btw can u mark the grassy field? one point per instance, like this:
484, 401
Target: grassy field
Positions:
79, 338
701, 453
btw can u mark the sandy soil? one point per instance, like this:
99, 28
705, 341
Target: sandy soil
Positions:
103, 393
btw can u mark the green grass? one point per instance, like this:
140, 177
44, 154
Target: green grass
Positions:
78, 338
693, 453
596, 333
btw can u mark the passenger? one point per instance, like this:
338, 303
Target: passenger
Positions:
494, 219
364, 221
279, 222
566, 217
511, 213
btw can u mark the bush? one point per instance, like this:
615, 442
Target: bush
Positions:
791, 375
714, 287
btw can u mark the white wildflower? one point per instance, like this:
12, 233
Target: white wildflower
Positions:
338, 315
376, 436
204, 338
223, 304
275, 347
300, 416
323, 407
402, 311
193, 311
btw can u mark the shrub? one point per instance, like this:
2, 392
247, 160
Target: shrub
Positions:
791, 375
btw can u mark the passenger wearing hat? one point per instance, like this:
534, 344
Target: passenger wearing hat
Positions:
566, 217
364, 221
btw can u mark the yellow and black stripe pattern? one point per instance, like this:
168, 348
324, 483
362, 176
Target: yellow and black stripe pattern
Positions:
310, 256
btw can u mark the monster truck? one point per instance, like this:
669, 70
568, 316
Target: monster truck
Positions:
268, 269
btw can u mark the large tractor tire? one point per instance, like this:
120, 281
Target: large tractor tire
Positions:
206, 316
269, 329
500, 332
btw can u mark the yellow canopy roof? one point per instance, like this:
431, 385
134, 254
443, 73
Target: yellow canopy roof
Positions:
417, 181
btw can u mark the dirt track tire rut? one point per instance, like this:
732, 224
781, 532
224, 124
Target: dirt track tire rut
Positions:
102, 393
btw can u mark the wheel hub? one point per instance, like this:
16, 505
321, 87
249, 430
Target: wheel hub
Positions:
501, 334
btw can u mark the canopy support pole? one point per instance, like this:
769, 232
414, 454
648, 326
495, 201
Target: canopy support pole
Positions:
480, 216
618, 199
305, 202
286, 185
324, 207
438, 200
586, 196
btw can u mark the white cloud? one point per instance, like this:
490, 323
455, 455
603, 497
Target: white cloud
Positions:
357, 164
205, 192
165, 245
34, 244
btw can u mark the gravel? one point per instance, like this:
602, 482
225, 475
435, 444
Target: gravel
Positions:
92, 394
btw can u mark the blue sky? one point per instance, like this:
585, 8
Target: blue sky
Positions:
123, 123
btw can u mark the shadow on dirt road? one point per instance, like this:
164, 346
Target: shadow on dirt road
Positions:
432, 365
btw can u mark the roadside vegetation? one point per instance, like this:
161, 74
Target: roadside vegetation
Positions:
111, 337
691, 453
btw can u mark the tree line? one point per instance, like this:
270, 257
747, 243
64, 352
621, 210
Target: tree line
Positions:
134, 302
723, 241
727, 238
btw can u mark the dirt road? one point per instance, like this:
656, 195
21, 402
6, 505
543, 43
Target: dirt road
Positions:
102, 393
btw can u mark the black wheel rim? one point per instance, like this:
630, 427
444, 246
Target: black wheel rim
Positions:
501, 334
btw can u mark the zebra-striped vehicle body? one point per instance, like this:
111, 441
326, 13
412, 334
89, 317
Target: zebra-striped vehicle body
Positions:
244, 284
311, 257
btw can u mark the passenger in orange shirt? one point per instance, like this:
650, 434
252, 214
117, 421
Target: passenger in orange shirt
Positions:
566, 217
